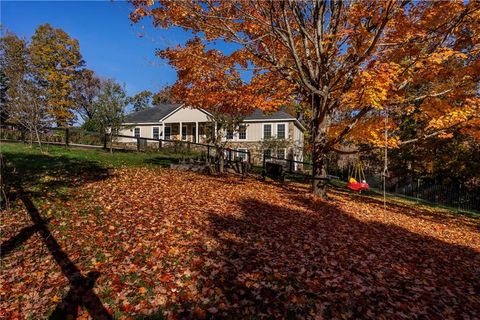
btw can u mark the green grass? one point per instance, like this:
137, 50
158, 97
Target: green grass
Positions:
99, 157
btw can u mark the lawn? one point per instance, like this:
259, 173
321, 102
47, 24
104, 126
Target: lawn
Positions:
146, 242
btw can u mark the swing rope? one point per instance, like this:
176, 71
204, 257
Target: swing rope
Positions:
385, 166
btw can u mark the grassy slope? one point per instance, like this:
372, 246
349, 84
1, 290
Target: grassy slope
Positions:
20, 153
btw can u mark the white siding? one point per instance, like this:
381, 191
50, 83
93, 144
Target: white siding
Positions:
146, 131
255, 131
187, 115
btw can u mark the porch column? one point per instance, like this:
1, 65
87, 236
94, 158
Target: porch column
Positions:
196, 132
181, 130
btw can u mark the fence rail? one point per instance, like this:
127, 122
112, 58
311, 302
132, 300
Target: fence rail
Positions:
78, 137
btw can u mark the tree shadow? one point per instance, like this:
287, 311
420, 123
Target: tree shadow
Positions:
318, 260
21, 237
81, 288
51, 171
44, 176
441, 216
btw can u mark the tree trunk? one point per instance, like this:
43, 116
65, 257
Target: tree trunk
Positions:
111, 142
221, 162
38, 139
319, 151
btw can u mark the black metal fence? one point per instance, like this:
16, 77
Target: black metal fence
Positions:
454, 195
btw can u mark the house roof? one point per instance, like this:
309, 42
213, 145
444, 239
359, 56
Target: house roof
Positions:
153, 114
258, 114
157, 113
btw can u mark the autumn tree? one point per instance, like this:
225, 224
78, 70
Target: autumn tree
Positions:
14, 69
29, 109
56, 58
141, 101
163, 96
352, 61
86, 89
215, 87
110, 108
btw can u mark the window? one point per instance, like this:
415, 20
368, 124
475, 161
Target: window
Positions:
242, 132
267, 131
281, 131
281, 153
156, 133
136, 132
229, 134
167, 133
242, 154
184, 132
267, 153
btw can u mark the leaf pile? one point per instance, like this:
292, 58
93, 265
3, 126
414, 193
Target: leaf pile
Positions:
183, 245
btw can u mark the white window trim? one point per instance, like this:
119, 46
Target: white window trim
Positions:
186, 132
153, 135
271, 130
169, 126
286, 130
246, 134
226, 135
139, 132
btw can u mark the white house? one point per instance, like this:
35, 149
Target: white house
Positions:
278, 134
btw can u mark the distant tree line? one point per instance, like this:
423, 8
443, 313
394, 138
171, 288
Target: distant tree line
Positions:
44, 82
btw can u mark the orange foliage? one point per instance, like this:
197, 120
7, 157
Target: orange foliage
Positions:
350, 62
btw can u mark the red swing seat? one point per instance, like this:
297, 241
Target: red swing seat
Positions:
358, 186
357, 181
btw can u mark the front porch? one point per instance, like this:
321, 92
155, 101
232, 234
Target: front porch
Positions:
198, 132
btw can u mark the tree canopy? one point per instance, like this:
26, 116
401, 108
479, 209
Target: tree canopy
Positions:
350, 62
55, 58
141, 101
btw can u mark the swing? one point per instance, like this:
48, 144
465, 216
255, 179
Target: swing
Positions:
356, 181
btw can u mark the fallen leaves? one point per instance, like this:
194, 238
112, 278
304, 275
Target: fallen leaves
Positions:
191, 246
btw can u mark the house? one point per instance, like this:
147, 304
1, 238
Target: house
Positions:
276, 134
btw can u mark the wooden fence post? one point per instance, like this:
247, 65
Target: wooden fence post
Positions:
67, 136
208, 153
159, 144
105, 139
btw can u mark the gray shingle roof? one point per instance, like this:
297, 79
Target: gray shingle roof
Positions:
153, 114
278, 115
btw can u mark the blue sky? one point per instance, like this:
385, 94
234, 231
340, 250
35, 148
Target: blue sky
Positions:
109, 43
